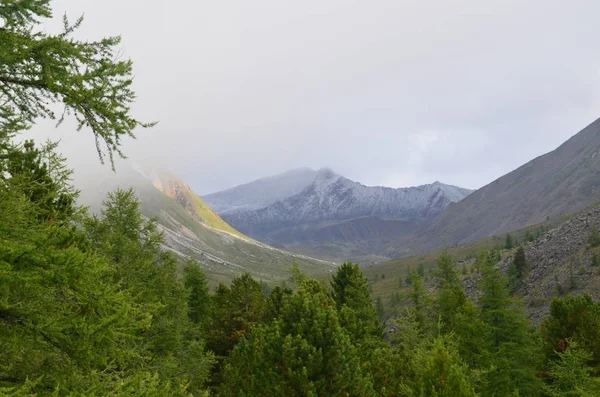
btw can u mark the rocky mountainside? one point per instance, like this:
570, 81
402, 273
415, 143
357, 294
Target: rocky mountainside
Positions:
191, 228
562, 262
262, 192
172, 186
563, 181
333, 209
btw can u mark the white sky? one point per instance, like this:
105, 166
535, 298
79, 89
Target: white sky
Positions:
385, 92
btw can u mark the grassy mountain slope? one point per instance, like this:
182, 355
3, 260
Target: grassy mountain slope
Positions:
385, 277
176, 189
560, 182
222, 252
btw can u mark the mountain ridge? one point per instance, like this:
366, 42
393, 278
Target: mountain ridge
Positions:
335, 210
252, 195
559, 182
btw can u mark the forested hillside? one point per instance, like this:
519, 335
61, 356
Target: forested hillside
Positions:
93, 305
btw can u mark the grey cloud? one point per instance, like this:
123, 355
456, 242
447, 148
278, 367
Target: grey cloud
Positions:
245, 89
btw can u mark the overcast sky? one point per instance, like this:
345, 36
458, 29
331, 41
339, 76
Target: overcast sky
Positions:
385, 92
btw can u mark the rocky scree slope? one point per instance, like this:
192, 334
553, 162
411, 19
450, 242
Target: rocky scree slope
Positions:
562, 262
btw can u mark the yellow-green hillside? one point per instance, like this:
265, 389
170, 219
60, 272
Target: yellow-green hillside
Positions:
175, 188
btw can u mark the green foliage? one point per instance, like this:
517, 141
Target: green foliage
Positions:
508, 242
380, 308
87, 305
40, 70
236, 310
444, 374
451, 301
511, 342
41, 176
574, 318
199, 302
529, 236
572, 280
594, 239
305, 352
446, 275
421, 301
517, 269
351, 295
570, 374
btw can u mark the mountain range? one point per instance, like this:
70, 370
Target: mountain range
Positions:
265, 225
327, 215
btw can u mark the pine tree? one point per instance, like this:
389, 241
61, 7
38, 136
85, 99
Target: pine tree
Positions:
451, 299
351, 294
421, 301
236, 311
305, 352
73, 321
380, 308
529, 236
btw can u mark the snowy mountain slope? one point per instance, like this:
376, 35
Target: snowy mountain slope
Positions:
262, 192
335, 209
333, 197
